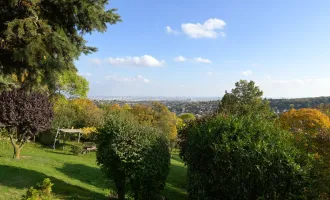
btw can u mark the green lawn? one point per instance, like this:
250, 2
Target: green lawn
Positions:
74, 177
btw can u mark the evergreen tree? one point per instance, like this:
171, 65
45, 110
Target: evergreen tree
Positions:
41, 38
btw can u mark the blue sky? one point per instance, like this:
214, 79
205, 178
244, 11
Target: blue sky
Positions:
201, 48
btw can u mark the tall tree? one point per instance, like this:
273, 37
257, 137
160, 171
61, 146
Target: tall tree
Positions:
245, 99
42, 38
24, 115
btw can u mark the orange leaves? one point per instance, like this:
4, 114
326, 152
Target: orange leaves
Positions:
306, 120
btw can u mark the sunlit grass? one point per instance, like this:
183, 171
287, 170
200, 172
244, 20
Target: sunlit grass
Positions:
74, 177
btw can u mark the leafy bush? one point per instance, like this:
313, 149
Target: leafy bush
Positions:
244, 158
76, 149
136, 157
41, 192
24, 115
47, 137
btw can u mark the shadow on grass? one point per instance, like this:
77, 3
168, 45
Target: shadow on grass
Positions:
176, 183
172, 193
86, 174
21, 178
176, 158
59, 152
177, 176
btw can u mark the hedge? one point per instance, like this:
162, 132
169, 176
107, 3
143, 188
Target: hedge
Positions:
244, 158
136, 157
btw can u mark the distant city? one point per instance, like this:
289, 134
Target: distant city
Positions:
208, 105
153, 98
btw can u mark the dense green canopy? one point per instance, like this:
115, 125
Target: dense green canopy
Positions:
245, 99
39, 39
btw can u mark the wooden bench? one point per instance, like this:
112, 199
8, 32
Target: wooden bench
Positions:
89, 149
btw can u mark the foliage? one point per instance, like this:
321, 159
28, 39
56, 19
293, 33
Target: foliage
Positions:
157, 115
134, 156
43, 38
187, 117
71, 84
64, 113
244, 158
41, 192
89, 133
283, 105
87, 113
76, 149
126, 107
180, 124
245, 99
305, 120
310, 128
78, 113
324, 108
24, 115
6, 83
3, 133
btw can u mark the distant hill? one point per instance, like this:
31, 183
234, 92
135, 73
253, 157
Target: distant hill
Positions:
281, 105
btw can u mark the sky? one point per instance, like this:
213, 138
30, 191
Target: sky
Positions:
191, 48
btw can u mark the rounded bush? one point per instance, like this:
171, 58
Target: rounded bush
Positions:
136, 157
243, 158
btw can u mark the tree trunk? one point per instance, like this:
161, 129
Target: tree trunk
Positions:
17, 152
17, 148
120, 185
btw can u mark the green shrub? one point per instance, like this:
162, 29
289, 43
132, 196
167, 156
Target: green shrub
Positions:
136, 157
244, 158
76, 149
41, 192
47, 138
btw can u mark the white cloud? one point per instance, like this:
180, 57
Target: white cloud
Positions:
137, 78
203, 60
87, 74
169, 30
180, 59
141, 61
95, 61
247, 73
209, 29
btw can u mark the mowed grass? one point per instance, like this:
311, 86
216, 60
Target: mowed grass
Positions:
74, 177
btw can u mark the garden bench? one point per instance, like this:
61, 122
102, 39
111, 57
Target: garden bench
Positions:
88, 149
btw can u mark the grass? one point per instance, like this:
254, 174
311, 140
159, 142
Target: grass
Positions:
74, 177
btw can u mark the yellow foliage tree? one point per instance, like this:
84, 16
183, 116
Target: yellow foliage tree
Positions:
126, 107
159, 116
88, 114
305, 120
310, 128
112, 108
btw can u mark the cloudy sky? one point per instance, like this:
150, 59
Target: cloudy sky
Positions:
201, 48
